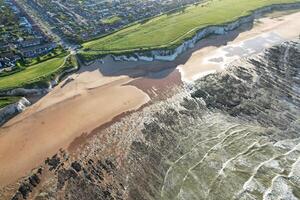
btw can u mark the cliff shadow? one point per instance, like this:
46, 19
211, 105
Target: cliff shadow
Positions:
159, 69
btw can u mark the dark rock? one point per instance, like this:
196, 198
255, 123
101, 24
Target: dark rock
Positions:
106, 194
40, 170
87, 175
137, 146
17, 196
34, 180
25, 189
75, 165
199, 94
64, 175
53, 162
90, 162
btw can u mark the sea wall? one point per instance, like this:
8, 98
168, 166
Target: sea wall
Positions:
171, 54
12, 110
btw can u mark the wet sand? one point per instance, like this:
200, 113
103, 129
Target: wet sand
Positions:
98, 93
158, 88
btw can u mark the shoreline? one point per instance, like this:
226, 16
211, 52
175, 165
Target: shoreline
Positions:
201, 34
98, 93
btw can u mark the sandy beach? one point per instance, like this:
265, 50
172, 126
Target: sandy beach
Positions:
98, 93
61, 116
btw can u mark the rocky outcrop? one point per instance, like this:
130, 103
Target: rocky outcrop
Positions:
237, 138
172, 54
10, 111
27, 186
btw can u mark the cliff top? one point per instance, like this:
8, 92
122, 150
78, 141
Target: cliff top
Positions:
171, 29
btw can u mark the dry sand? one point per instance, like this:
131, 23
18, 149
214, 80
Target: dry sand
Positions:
98, 93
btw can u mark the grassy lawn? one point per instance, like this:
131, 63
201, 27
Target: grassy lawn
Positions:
32, 74
172, 29
21, 65
111, 20
5, 101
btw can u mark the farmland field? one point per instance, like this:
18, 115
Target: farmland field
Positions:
171, 29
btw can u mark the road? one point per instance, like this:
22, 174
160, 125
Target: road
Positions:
44, 26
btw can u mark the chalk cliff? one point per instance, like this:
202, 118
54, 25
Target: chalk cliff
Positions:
171, 54
12, 110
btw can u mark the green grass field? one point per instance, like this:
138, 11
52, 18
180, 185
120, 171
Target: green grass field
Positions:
170, 30
33, 73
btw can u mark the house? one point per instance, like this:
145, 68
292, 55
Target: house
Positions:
35, 51
24, 22
4, 48
8, 60
6, 67
30, 42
